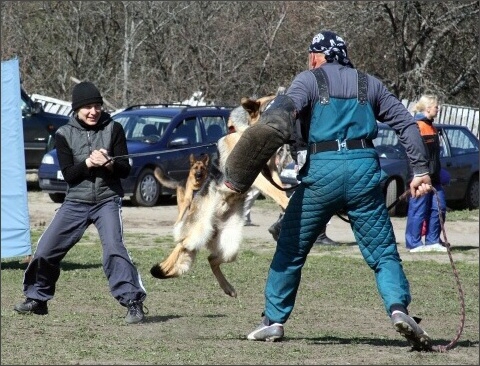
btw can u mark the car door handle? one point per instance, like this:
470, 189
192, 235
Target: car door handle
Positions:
40, 139
449, 163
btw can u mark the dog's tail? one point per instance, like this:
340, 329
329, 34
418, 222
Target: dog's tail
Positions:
165, 180
176, 264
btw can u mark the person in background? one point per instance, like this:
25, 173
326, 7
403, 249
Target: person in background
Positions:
85, 147
252, 195
429, 207
238, 122
341, 172
444, 181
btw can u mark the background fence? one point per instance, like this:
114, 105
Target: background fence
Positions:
456, 115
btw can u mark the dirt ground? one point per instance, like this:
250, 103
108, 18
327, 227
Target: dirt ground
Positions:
158, 221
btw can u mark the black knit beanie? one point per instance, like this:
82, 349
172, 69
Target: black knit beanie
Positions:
85, 93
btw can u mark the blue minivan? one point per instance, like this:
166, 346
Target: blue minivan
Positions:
161, 135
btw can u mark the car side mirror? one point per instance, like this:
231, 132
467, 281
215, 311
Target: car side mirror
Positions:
179, 141
37, 108
151, 139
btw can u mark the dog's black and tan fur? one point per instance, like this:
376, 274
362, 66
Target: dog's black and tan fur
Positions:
186, 190
215, 217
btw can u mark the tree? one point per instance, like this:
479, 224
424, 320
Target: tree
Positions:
415, 47
164, 51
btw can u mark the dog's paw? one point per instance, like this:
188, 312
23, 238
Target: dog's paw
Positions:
157, 272
229, 290
231, 293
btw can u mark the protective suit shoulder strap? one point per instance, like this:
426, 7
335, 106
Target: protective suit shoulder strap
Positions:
361, 87
323, 96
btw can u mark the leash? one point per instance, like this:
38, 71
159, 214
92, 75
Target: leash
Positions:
112, 158
461, 294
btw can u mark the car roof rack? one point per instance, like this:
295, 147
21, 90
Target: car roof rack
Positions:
155, 105
174, 105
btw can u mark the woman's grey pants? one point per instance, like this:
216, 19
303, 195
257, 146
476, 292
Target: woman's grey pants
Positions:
65, 230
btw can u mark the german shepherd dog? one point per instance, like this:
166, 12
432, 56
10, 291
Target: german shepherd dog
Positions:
186, 190
215, 217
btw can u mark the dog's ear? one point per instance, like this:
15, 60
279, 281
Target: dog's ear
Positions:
251, 106
262, 104
192, 159
206, 159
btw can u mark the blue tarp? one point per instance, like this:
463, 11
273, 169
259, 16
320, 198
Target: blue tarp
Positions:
15, 219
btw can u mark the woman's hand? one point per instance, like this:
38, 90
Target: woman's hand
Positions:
99, 158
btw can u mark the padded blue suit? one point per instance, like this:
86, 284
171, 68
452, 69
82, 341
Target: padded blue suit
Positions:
346, 179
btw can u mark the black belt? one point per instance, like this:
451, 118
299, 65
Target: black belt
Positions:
337, 145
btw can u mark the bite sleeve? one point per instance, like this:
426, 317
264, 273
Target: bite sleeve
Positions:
258, 143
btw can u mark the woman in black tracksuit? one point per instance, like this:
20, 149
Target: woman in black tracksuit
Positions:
94, 196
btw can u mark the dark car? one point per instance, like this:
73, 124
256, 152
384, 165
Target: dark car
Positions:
459, 157
38, 128
160, 135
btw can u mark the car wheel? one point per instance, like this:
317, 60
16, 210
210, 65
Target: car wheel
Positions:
147, 189
471, 196
57, 197
392, 193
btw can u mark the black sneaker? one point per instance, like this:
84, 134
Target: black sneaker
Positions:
409, 328
323, 239
276, 226
266, 331
32, 306
135, 312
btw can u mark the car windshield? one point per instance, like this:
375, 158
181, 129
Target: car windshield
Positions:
142, 127
387, 144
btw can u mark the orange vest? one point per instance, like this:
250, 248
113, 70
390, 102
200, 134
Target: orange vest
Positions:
432, 142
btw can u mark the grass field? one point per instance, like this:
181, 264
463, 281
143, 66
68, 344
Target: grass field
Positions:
338, 318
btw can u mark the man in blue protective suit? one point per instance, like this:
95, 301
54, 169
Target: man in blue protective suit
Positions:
336, 108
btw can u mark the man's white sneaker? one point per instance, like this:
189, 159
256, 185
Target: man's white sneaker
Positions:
408, 327
267, 333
